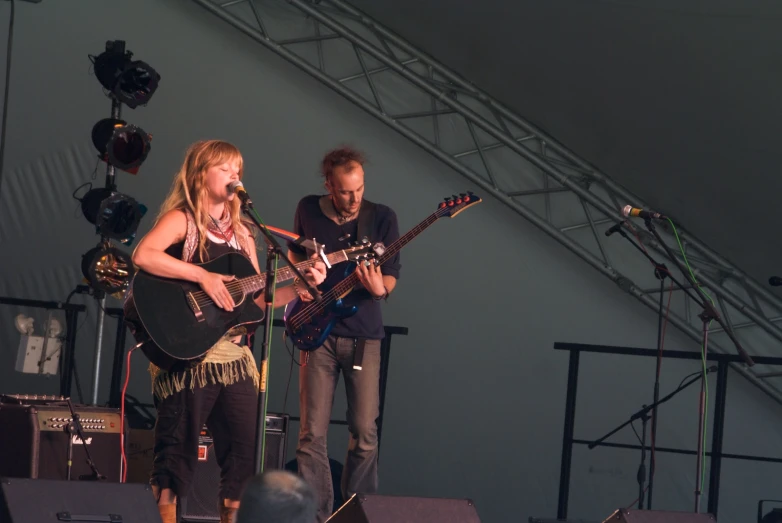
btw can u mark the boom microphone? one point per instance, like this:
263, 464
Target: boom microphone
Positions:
615, 228
646, 215
237, 187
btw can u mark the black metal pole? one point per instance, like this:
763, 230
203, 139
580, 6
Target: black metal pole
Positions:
641, 475
716, 438
659, 273
115, 391
66, 377
385, 354
567, 436
706, 319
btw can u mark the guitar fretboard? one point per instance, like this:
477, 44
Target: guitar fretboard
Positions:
258, 281
348, 283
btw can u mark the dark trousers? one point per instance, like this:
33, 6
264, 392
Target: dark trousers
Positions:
317, 382
229, 411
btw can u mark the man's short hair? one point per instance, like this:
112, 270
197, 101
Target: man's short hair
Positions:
339, 158
277, 496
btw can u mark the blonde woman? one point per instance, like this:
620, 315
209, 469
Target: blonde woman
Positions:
200, 220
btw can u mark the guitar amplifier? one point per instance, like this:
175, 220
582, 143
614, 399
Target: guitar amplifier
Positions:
34, 444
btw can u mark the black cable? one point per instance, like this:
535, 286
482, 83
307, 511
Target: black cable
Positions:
80, 289
7, 85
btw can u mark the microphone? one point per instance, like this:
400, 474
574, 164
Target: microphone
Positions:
237, 187
776, 281
615, 228
646, 215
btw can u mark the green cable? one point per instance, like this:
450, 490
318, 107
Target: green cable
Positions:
703, 360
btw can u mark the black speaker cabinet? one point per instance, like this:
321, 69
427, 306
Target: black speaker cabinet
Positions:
658, 516
373, 508
33, 442
24, 500
200, 503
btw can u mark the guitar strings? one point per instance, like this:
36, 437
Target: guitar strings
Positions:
304, 315
239, 286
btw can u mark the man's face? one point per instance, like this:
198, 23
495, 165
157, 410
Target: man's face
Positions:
346, 186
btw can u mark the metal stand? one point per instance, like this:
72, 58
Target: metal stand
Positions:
643, 415
709, 313
718, 420
116, 110
75, 424
660, 272
115, 388
273, 255
69, 430
706, 318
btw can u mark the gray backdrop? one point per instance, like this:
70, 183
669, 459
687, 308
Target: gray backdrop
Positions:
476, 392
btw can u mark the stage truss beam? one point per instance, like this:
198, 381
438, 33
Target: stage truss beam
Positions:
508, 157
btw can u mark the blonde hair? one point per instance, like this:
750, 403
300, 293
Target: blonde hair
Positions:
188, 192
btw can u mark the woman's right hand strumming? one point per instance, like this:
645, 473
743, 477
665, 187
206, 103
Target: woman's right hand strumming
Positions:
214, 285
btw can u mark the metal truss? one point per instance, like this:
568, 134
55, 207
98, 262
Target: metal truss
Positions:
507, 157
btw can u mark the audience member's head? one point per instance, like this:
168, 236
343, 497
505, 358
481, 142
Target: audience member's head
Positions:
277, 496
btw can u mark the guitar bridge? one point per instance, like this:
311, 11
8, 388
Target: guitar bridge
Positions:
191, 301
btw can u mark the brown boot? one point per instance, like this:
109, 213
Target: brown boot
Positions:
227, 514
167, 513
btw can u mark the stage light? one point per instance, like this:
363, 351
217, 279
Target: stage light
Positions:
119, 216
131, 82
123, 145
115, 215
24, 324
107, 269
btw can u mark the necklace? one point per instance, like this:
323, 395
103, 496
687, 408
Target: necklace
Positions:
343, 218
217, 228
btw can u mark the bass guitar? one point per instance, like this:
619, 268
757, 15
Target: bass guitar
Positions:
308, 324
178, 321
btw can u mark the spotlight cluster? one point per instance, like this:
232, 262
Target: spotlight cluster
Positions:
122, 146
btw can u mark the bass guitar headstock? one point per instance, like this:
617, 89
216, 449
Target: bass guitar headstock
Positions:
456, 204
361, 250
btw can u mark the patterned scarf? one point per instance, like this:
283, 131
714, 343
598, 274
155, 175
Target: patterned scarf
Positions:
222, 229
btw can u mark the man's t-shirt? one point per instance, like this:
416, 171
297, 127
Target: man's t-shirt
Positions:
310, 222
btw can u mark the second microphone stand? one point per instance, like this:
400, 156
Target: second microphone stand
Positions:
708, 314
272, 256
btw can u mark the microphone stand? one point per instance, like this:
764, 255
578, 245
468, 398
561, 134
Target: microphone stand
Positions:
643, 415
274, 252
660, 272
75, 424
708, 314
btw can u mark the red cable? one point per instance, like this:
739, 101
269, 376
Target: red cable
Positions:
122, 419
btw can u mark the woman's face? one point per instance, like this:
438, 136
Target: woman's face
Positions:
218, 177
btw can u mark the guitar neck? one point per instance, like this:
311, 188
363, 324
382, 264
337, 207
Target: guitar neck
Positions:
348, 283
258, 281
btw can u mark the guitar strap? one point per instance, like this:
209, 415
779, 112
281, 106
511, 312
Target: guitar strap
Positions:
366, 220
366, 229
